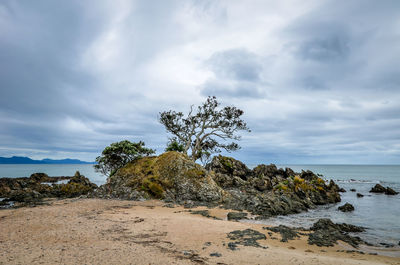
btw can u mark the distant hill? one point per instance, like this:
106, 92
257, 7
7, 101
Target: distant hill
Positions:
27, 160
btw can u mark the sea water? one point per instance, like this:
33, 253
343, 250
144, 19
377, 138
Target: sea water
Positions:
379, 213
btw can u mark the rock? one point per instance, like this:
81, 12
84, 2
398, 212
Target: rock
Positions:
359, 195
327, 224
172, 176
308, 175
378, 188
341, 190
326, 233
40, 177
236, 215
265, 191
387, 245
229, 166
390, 191
287, 233
353, 190
347, 207
215, 254
264, 170
31, 191
247, 237
232, 246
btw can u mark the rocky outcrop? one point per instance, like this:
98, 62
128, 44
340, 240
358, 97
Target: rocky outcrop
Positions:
265, 191
287, 233
230, 166
171, 176
347, 207
236, 216
247, 237
32, 190
378, 188
269, 191
326, 233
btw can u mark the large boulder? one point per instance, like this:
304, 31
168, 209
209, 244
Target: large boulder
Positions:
229, 166
326, 233
172, 176
347, 207
378, 188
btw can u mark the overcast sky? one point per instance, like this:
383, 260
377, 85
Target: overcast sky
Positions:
319, 81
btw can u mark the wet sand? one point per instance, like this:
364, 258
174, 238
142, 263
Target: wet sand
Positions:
92, 231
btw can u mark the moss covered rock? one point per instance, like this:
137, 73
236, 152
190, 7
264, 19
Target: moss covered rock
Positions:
171, 176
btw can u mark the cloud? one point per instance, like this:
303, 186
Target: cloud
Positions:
237, 73
318, 82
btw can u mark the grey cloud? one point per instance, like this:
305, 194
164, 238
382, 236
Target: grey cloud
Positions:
314, 83
323, 50
237, 73
238, 64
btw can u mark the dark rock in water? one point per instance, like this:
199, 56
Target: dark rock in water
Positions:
387, 245
326, 233
390, 191
287, 233
247, 237
341, 190
347, 207
353, 190
215, 254
236, 215
359, 195
378, 188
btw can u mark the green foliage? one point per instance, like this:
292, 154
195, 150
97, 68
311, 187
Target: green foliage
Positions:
174, 145
119, 154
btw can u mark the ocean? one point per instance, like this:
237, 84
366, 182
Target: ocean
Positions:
379, 213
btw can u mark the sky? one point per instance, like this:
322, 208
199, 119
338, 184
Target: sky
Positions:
318, 80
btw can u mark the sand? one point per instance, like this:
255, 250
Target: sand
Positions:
92, 231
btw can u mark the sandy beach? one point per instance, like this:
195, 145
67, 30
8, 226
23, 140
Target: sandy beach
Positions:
93, 231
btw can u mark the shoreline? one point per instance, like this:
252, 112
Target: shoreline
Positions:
96, 231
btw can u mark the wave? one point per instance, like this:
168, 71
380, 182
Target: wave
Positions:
358, 181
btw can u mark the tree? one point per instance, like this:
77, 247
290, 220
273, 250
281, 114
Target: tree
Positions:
201, 132
118, 155
174, 145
